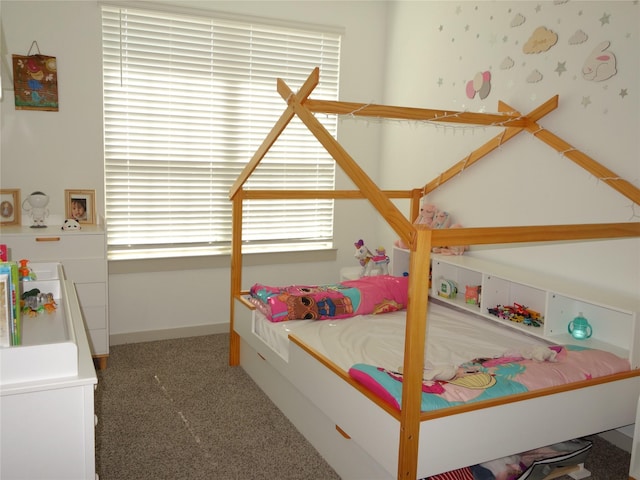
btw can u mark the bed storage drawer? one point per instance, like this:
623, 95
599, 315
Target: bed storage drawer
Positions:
346, 457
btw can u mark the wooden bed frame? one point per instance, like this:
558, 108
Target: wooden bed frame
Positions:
376, 440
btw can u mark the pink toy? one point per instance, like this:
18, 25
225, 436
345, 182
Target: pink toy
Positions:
441, 220
425, 217
454, 250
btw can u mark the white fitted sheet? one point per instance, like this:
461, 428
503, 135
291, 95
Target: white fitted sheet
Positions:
454, 337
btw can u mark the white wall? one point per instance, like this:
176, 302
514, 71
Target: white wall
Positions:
54, 151
436, 48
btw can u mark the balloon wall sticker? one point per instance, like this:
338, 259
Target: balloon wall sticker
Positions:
600, 64
481, 84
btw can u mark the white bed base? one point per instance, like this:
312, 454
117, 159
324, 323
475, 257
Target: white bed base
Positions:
321, 404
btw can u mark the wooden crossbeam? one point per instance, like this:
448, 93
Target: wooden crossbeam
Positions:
492, 144
380, 202
595, 168
504, 119
306, 89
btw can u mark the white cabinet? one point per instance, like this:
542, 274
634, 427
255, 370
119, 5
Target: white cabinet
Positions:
612, 316
83, 256
47, 394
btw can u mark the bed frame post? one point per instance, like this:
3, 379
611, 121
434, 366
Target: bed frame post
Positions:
415, 340
414, 208
236, 274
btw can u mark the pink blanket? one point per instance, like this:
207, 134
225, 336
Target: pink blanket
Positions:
367, 295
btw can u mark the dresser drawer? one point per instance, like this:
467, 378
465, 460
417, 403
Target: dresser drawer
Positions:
55, 247
95, 318
92, 294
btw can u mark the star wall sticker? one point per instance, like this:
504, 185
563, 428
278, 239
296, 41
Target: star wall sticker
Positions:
623, 92
561, 68
586, 101
604, 18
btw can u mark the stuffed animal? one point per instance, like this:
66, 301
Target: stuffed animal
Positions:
453, 250
425, 217
442, 219
70, 224
427, 214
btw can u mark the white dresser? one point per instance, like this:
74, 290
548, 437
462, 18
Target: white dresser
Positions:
47, 420
83, 256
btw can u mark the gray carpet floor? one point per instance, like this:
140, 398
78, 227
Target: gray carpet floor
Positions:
174, 409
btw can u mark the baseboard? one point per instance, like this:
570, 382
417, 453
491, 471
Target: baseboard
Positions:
167, 334
619, 439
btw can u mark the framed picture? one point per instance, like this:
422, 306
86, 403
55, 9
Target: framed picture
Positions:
10, 207
81, 205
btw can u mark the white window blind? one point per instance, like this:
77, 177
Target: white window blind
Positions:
187, 101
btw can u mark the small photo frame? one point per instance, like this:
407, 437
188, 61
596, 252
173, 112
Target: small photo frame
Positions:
80, 205
10, 206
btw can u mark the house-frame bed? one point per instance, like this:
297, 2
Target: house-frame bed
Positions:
362, 436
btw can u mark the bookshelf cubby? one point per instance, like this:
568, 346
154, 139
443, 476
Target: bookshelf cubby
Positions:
611, 315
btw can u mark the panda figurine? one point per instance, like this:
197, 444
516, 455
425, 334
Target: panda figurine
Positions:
70, 224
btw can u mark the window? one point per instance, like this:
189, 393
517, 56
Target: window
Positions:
187, 101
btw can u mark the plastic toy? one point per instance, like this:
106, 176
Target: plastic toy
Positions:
472, 294
447, 288
25, 274
517, 313
371, 264
36, 205
364, 256
381, 261
579, 328
34, 302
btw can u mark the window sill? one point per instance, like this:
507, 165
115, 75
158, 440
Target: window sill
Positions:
206, 261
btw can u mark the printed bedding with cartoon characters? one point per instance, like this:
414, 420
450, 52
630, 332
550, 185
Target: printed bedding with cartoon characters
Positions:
469, 358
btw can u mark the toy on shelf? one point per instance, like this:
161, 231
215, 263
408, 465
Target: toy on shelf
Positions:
436, 219
70, 224
447, 288
579, 328
25, 274
36, 206
372, 264
34, 302
517, 313
425, 217
472, 294
364, 256
381, 261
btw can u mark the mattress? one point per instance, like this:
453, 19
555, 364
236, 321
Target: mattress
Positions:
453, 338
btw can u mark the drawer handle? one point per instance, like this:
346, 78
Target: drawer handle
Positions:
47, 239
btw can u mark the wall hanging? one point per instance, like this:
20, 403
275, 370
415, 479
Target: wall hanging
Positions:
35, 81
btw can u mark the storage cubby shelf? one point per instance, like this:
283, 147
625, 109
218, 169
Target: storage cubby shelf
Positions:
610, 314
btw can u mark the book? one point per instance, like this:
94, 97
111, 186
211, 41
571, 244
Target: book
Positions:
6, 318
15, 327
